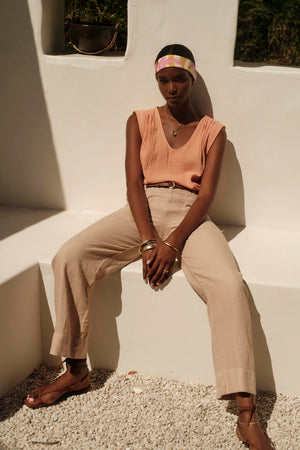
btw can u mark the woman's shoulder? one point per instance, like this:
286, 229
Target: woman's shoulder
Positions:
145, 112
211, 129
146, 119
141, 115
211, 123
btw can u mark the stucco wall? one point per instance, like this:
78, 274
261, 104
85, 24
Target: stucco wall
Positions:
63, 117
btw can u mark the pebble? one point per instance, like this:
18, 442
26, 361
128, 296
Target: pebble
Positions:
165, 415
137, 390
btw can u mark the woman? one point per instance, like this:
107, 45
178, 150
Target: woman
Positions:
173, 161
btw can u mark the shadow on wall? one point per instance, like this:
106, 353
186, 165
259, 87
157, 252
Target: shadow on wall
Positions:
200, 97
229, 205
29, 173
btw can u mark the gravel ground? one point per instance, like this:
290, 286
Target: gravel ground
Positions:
139, 412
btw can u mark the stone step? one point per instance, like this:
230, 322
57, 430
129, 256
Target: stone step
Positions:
163, 332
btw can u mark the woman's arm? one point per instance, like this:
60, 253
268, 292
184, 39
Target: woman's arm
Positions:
135, 188
134, 179
160, 257
209, 182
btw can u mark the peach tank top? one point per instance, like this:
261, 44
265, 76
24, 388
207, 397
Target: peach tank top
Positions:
184, 165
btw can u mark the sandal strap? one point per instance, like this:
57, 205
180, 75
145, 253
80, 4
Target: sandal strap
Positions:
247, 423
250, 410
40, 391
241, 409
66, 388
269, 440
57, 368
60, 364
78, 382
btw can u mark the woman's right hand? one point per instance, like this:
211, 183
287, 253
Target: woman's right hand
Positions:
146, 258
157, 264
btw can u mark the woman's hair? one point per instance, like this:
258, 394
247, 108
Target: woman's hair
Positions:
176, 49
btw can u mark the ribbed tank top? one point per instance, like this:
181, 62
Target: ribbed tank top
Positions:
185, 165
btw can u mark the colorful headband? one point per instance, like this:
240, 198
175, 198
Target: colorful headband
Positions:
176, 61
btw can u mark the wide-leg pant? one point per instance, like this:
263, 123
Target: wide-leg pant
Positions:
206, 260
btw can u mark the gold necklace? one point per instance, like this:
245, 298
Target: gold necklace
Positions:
175, 132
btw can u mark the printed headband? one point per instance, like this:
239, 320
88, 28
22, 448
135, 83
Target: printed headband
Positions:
176, 61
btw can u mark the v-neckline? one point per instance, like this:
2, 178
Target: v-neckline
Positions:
165, 137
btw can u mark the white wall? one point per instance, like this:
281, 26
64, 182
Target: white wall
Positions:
70, 150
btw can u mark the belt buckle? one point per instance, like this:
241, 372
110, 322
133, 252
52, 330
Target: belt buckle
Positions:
172, 184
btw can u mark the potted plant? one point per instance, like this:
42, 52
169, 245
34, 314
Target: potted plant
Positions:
91, 29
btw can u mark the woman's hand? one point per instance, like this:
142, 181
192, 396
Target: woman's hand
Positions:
157, 264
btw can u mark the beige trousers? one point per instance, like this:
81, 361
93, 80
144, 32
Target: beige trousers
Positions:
206, 260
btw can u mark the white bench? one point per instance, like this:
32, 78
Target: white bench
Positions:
133, 328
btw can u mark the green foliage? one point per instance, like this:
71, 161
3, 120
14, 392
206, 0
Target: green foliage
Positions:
269, 32
105, 12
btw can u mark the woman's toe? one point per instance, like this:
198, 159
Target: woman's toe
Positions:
33, 397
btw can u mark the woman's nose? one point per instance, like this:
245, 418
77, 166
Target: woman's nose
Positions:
172, 88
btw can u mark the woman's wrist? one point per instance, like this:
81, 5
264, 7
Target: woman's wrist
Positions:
174, 241
148, 244
147, 235
170, 246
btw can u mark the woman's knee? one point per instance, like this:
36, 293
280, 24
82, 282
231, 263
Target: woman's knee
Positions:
70, 251
235, 292
230, 289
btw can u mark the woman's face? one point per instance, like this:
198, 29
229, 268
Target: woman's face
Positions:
175, 85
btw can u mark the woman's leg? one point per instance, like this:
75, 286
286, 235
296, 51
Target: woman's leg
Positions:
104, 247
212, 271
248, 428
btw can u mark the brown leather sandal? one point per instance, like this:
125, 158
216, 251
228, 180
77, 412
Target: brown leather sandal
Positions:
239, 431
60, 389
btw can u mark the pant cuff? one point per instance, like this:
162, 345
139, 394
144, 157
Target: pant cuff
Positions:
229, 382
74, 346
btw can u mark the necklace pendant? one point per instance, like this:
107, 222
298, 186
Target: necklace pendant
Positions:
174, 133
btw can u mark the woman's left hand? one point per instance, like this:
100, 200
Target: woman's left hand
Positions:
159, 264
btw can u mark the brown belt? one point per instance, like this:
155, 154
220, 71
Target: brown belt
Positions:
170, 185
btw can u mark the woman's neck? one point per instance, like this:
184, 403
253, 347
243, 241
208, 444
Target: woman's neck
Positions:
181, 112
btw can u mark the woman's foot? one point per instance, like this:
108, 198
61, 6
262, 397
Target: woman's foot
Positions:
75, 380
248, 429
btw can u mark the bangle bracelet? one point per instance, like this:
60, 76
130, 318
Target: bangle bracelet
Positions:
171, 246
147, 241
147, 245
